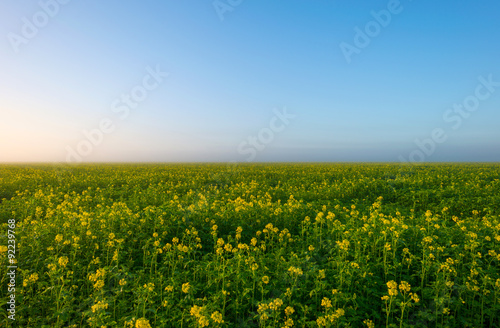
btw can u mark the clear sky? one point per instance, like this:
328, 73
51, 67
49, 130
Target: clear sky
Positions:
251, 80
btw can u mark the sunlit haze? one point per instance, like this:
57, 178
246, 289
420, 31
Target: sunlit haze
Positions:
249, 81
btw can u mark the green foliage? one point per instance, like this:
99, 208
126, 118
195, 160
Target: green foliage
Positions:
253, 245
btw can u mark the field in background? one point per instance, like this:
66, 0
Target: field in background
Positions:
252, 245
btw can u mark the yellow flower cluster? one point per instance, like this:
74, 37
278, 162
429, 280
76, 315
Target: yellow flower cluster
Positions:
326, 302
150, 287
63, 261
295, 271
344, 244
32, 278
273, 305
393, 288
99, 306
186, 287
323, 321
217, 317
196, 311
404, 287
142, 323
98, 278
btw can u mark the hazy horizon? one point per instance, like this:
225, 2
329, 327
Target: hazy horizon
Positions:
249, 81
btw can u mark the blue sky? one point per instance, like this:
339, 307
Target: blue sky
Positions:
212, 81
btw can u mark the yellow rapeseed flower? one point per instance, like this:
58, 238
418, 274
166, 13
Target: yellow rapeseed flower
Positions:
115, 255
99, 284
404, 287
186, 287
195, 310
99, 306
326, 302
150, 287
31, 279
217, 317
321, 321
289, 310
276, 304
63, 261
296, 271
203, 321
142, 323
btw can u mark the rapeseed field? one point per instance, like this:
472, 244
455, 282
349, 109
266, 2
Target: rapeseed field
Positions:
250, 245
